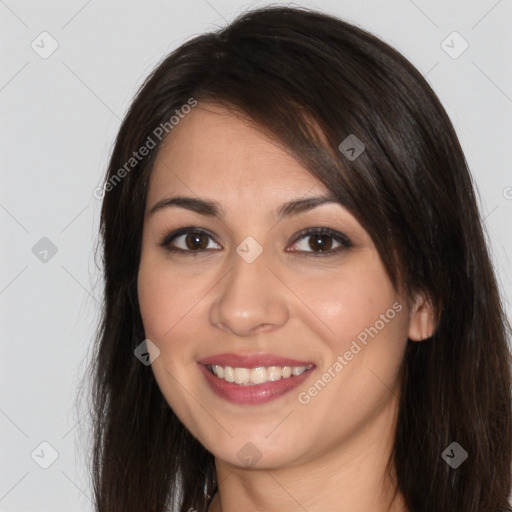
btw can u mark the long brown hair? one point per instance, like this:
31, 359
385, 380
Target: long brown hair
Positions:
298, 73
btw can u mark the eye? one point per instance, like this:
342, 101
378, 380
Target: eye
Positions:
189, 239
321, 242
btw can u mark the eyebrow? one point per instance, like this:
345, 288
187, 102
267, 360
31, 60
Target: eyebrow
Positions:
211, 208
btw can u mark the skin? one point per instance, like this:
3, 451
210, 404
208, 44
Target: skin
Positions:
329, 454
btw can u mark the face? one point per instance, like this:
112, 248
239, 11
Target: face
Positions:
283, 296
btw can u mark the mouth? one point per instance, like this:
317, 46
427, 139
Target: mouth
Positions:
253, 379
258, 375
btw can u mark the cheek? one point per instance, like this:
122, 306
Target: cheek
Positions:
361, 354
355, 303
166, 300
169, 309
172, 306
155, 302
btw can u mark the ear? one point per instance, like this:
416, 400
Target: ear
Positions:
423, 322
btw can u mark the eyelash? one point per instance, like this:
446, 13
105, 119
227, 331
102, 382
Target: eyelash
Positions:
342, 239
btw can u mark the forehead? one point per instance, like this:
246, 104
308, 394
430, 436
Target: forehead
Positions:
216, 153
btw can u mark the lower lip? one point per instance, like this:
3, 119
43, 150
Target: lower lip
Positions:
252, 394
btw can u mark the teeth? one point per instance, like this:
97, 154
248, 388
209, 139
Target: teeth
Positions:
229, 375
274, 373
241, 375
259, 375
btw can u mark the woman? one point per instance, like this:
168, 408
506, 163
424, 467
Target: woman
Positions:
300, 310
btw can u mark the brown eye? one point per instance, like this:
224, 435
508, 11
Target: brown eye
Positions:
320, 241
189, 240
196, 241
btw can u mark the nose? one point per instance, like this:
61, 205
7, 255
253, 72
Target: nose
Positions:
250, 299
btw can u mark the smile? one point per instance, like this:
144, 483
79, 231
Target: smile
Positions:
253, 380
259, 375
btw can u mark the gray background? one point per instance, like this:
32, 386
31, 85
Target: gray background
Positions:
59, 117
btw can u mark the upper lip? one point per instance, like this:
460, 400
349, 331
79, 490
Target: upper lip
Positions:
252, 360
